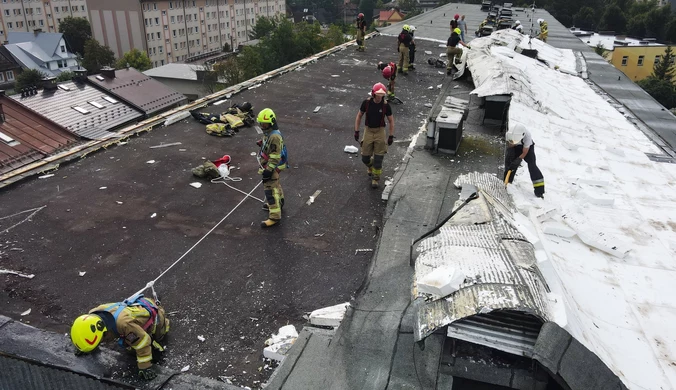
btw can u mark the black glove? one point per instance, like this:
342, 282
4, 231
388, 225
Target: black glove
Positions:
356, 135
515, 164
259, 143
267, 175
146, 374
390, 139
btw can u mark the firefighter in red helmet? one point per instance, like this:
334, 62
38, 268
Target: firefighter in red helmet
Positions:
361, 32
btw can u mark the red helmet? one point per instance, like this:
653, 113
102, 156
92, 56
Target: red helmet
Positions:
392, 65
360, 16
387, 72
456, 16
378, 89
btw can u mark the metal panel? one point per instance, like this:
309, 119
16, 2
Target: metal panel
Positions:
18, 374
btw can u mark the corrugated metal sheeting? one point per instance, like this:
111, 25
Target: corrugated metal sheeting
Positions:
501, 275
18, 374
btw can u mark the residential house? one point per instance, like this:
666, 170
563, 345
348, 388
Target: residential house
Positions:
9, 69
187, 79
81, 107
46, 52
138, 90
389, 17
26, 137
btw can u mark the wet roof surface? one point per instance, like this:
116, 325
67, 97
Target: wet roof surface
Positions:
240, 284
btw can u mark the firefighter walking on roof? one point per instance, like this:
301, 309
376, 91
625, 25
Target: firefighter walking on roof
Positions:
273, 159
139, 324
361, 32
404, 41
375, 142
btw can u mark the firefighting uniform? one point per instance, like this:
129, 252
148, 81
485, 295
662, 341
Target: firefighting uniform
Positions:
270, 157
374, 142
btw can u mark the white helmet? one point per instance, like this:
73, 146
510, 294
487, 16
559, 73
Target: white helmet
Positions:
517, 23
411, 28
540, 21
516, 134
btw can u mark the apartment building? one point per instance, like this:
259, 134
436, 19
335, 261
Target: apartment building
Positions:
175, 31
27, 15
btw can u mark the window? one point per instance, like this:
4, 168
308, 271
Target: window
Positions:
81, 8
64, 9
10, 75
175, 46
6, 12
640, 60
158, 36
161, 62
9, 25
74, 8
173, 32
42, 23
8, 140
147, 37
63, 48
154, 50
80, 110
171, 5
56, 9
155, 6
657, 59
100, 78
97, 105
164, 12
625, 59
161, 50
166, 27
157, 21
173, 19
110, 100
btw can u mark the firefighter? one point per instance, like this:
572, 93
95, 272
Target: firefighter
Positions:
361, 32
543, 30
452, 50
272, 159
389, 72
374, 143
411, 49
454, 22
520, 147
404, 41
140, 324
518, 27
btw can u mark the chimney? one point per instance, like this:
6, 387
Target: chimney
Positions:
108, 72
80, 74
49, 83
37, 31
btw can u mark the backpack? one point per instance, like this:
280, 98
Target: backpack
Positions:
138, 301
284, 159
382, 120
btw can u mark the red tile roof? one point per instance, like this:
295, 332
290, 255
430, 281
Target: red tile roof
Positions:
35, 136
386, 15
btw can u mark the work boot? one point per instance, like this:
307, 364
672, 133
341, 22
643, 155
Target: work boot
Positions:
269, 223
369, 171
281, 205
374, 183
411, 67
449, 72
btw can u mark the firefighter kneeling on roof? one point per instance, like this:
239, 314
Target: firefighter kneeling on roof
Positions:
140, 325
375, 142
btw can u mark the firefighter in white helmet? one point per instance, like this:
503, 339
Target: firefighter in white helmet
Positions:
520, 147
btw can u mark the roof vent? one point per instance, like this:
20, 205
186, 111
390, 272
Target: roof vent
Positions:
108, 72
80, 74
49, 83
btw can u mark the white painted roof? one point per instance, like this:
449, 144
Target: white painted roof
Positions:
609, 42
619, 301
175, 71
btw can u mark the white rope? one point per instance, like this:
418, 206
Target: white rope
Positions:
34, 211
152, 282
224, 179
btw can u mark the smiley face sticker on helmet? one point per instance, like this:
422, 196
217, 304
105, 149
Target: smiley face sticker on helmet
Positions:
87, 332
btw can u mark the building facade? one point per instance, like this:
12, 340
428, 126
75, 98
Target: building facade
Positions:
26, 16
637, 62
176, 31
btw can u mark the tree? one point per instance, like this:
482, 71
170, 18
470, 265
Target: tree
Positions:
366, 7
661, 90
600, 50
334, 36
585, 18
135, 58
263, 27
613, 19
65, 76
664, 69
29, 78
76, 31
226, 47
97, 56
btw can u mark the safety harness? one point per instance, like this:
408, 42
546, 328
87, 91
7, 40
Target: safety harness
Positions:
283, 160
138, 301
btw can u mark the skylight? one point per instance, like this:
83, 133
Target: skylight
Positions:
63, 87
110, 100
97, 105
100, 78
7, 139
80, 110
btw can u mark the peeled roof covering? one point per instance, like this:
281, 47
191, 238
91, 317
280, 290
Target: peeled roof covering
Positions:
142, 91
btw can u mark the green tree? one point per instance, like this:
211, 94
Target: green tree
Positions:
656, 22
263, 27
585, 18
226, 47
600, 50
29, 78
251, 62
664, 69
366, 7
65, 76
334, 36
636, 26
76, 31
661, 90
97, 56
380, 4
613, 19
309, 39
135, 58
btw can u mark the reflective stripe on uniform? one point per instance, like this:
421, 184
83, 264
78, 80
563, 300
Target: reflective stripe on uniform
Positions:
539, 183
144, 359
145, 341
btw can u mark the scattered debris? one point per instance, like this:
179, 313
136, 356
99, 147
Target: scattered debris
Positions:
313, 197
119, 202
335, 75
165, 145
280, 344
442, 55
440, 72
362, 250
253, 154
45, 176
441, 282
428, 105
428, 52
196, 184
430, 87
439, 86
218, 103
186, 368
154, 215
319, 234
226, 379
6, 271
351, 149
27, 312
317, 109
456, 87
182, 150
179, 116
201, 338
102, 188
150, 162
329, 316
82, 273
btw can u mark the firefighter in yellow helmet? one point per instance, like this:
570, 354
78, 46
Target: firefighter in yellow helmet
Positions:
404, 40
272, 159
139, 324
452, 50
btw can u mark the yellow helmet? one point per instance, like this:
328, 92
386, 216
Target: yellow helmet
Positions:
266, 116
87, 332
457, 31
407, 28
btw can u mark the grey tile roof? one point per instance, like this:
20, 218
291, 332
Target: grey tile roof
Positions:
49, 42
96, 123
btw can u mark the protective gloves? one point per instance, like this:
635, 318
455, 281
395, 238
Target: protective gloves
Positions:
259, 143
390, 139
267, 175
515, 164
146, 374
356, 135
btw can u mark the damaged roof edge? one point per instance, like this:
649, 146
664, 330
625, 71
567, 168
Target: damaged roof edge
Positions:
148, 124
